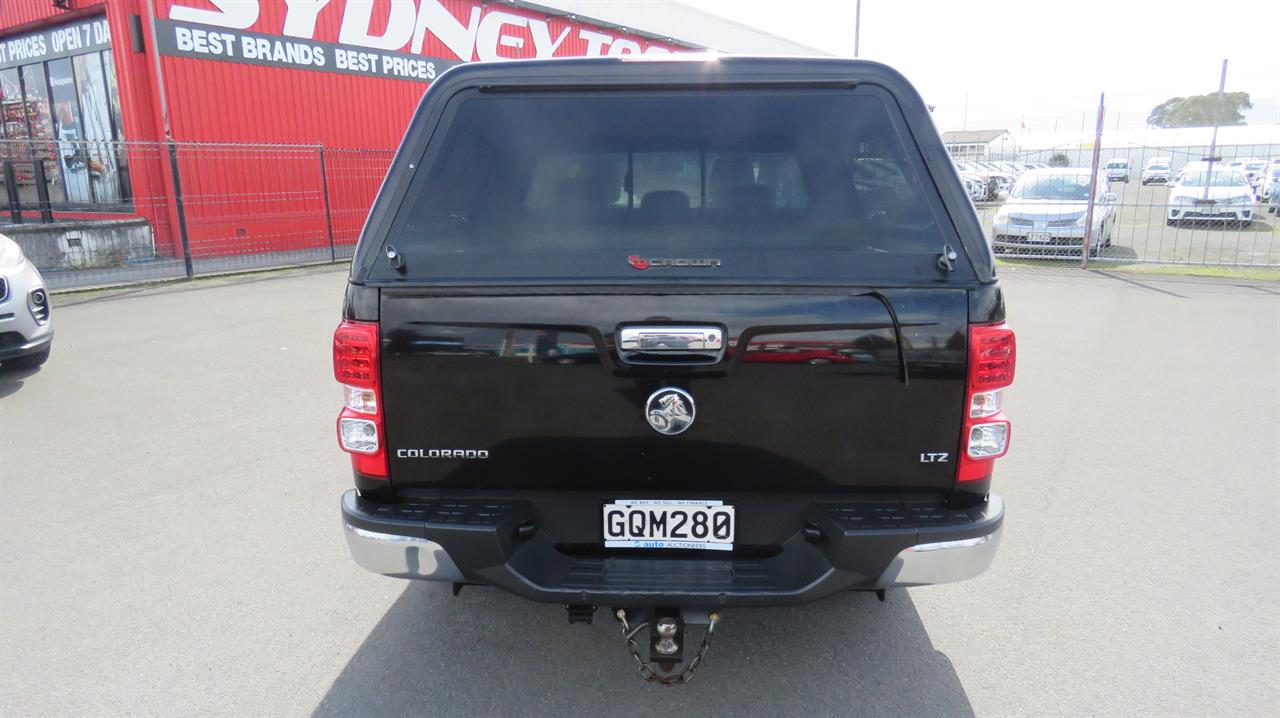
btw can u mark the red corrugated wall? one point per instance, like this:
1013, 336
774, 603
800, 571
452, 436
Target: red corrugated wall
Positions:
15, 14
271, 199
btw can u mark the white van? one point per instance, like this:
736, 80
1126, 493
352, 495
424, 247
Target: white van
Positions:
1118, 170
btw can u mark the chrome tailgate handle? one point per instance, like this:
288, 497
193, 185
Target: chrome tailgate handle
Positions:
660, 345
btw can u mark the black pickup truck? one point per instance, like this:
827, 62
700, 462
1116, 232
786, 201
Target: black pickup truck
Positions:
672, 336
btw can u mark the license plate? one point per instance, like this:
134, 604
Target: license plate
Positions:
1203, 202
1039, 237
669, 523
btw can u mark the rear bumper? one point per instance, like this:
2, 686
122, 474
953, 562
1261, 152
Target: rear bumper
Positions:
863, 546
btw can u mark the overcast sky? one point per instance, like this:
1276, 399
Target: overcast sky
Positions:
1039, 62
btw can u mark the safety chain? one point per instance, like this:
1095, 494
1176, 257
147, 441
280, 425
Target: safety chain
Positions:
646, 671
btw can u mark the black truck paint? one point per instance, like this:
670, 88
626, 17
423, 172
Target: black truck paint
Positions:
810, 425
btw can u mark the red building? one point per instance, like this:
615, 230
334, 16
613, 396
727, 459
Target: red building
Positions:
115, 95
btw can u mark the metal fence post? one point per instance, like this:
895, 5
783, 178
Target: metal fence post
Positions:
42, 189
11, 188
182, 211
1213, 142
328, 214
1093, 188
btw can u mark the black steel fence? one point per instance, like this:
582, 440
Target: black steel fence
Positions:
97, 213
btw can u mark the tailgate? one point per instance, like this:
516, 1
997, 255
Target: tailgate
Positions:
531, 392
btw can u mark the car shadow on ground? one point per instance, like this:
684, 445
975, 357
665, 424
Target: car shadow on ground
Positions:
11, 379
489, 652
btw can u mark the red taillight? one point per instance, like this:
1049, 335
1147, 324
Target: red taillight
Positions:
985, 438
355, 365
992, 355
355, 354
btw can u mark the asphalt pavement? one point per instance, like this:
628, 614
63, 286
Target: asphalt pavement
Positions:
170, 542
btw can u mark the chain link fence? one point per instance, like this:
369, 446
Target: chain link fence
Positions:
1179, 205
101, 213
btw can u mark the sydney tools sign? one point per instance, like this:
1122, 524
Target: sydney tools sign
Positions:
378, 39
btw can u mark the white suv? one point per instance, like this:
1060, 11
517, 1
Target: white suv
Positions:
26, 329
1158, 170
1118, 170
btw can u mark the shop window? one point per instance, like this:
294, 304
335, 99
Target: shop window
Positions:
13, 126
97, 128
62, 114
68, 127
117, 126
35, 92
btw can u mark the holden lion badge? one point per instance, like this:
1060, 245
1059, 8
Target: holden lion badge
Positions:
670, 411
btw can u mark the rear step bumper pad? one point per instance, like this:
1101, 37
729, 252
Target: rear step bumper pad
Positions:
864, 546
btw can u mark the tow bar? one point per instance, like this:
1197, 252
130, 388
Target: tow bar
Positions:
666, 645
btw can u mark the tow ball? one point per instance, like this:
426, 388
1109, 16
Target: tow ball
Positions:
666, 641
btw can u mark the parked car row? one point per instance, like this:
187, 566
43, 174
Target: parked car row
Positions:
1046, 211
988, 180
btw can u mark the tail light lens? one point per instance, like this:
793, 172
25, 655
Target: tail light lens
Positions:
992, 358
355, 366
355, 354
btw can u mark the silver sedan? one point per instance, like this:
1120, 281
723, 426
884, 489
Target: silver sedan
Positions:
1047, 212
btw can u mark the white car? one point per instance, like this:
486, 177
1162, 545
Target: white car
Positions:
975, 185
980, 180
1002, 178
26, 329
1255, 170
1270, 189
1202, 194
1157, 171
1118, 170
1046, 214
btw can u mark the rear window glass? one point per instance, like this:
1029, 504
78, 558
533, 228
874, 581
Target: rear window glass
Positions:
750, 184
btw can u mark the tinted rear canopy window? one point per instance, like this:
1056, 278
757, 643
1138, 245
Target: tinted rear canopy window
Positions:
756, 185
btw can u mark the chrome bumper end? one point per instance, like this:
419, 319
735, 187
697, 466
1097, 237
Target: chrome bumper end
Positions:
942, 562
400, 556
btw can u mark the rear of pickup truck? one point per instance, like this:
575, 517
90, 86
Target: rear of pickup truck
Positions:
680, 334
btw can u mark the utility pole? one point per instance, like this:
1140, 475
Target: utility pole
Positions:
857, 27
